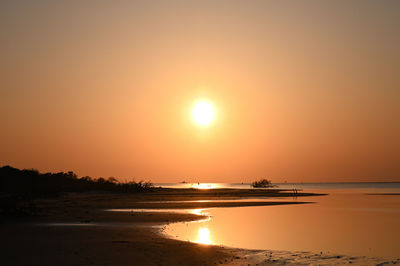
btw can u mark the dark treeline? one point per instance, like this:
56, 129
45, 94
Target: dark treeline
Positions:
32, 184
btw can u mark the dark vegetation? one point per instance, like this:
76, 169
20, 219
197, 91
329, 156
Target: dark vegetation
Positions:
262, 183
31, 183
18, 188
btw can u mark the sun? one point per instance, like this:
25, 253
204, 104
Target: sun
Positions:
203, 113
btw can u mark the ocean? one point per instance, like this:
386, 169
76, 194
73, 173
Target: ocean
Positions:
357, 219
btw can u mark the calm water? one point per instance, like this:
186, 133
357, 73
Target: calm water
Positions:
347, 221
367, 187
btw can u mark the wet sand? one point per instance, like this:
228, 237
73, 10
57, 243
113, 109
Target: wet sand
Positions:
76, 229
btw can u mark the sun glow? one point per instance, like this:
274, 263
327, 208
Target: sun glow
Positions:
203, 113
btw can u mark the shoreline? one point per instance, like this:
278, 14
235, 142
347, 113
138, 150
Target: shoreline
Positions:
98, 237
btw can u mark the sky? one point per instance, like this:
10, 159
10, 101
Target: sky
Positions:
303, 91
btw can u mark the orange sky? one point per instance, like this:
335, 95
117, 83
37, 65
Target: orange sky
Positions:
304, 90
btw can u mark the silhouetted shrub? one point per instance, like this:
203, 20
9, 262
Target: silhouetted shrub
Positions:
262, 183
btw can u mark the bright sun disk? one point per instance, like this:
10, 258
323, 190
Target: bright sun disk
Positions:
203, 113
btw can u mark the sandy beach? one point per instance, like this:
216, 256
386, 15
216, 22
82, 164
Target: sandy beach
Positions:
77, 229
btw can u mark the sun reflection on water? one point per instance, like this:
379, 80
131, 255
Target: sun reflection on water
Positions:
198, 211
204, 236
205, 185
